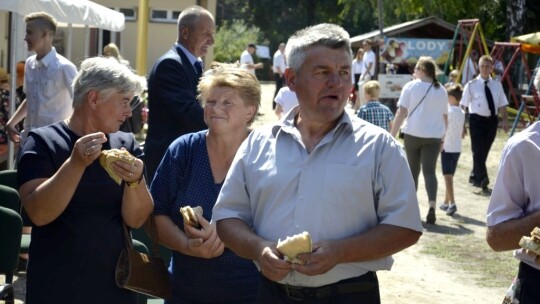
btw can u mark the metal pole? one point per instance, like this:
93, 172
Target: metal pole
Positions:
142, 37
381, 26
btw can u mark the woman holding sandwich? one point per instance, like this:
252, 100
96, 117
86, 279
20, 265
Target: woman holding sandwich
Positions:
191, 174
76, 208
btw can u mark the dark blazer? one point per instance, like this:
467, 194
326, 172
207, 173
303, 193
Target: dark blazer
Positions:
173, 109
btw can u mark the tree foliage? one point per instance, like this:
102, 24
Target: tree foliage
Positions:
232, 38
278, 19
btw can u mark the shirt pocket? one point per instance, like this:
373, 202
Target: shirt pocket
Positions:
349, 187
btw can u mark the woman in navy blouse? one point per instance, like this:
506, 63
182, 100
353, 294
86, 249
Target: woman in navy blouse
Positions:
192, 173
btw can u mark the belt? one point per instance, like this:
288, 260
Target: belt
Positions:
359, 284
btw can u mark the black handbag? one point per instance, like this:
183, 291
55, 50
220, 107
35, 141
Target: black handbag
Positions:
141, 272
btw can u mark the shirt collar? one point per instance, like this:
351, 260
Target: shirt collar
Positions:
287, 124
192, 59
48, 59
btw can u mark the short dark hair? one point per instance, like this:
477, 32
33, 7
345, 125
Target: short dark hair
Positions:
252, 45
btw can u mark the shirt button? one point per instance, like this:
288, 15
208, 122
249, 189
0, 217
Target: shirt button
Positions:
301, 197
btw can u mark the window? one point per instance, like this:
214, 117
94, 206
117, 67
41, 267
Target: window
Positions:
169, 16
130, 14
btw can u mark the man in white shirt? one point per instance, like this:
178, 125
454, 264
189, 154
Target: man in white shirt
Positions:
48, 79
278, 66
368, 62
246, 59
483, 108
320, 170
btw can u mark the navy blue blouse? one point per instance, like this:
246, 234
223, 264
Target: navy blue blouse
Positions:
73, 258
183, 178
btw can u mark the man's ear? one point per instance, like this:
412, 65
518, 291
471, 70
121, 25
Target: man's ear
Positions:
290, 78
184, 33
92, 98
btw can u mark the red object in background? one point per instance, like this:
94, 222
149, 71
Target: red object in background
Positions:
352, 95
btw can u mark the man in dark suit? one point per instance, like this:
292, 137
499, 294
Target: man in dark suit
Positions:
173, 109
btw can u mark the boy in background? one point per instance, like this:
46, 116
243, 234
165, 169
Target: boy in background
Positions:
373, 111
451, 149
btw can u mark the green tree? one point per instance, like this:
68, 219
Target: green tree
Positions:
232, 38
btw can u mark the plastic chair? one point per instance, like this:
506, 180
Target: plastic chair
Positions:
10, 242
9, 178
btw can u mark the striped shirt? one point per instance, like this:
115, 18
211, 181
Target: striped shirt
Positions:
376, 113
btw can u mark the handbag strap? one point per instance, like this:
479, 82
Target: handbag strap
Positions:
127, 236
151, 230
410, 114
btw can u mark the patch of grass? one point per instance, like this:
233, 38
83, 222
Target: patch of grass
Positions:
472, 254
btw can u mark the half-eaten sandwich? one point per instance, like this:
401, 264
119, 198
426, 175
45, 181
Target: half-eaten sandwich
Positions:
107, 157
531, 243
190, 217
292, 246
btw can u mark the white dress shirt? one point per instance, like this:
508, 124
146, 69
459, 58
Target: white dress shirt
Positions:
516, 192
279, 62
49, 95
474, 96
246, 59
356, 178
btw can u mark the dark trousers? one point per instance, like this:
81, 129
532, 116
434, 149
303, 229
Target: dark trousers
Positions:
528, 282
279, 83
363, 289
483, 131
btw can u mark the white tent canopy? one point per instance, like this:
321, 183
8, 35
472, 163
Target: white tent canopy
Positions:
77, 12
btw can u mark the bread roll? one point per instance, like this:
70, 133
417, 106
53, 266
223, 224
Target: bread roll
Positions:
294, 245
531, 243
107, 157
189, 215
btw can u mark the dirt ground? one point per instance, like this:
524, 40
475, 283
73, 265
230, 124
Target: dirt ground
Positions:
417, 276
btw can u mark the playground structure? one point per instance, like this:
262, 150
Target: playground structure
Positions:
508, 54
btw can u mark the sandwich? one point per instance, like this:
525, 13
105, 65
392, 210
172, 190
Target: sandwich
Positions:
531, 243
292, 246
107, 157
190, 215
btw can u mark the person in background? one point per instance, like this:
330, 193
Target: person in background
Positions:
470, 70
452, 146
323, 171
484, 98
373, 111
20, 83
4, 105
111, 50
424, 103
452, 77
246, 59
279, 65
77, 210
173, 109
48, 79
514, 208
368, 61
285, 100
192, 173
357, 66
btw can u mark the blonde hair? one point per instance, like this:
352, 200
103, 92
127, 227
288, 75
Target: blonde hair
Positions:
45, 20
231, 76
372, 88
111, 50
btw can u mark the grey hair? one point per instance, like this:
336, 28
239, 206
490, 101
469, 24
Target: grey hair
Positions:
324, 34
105, 75
189, 17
